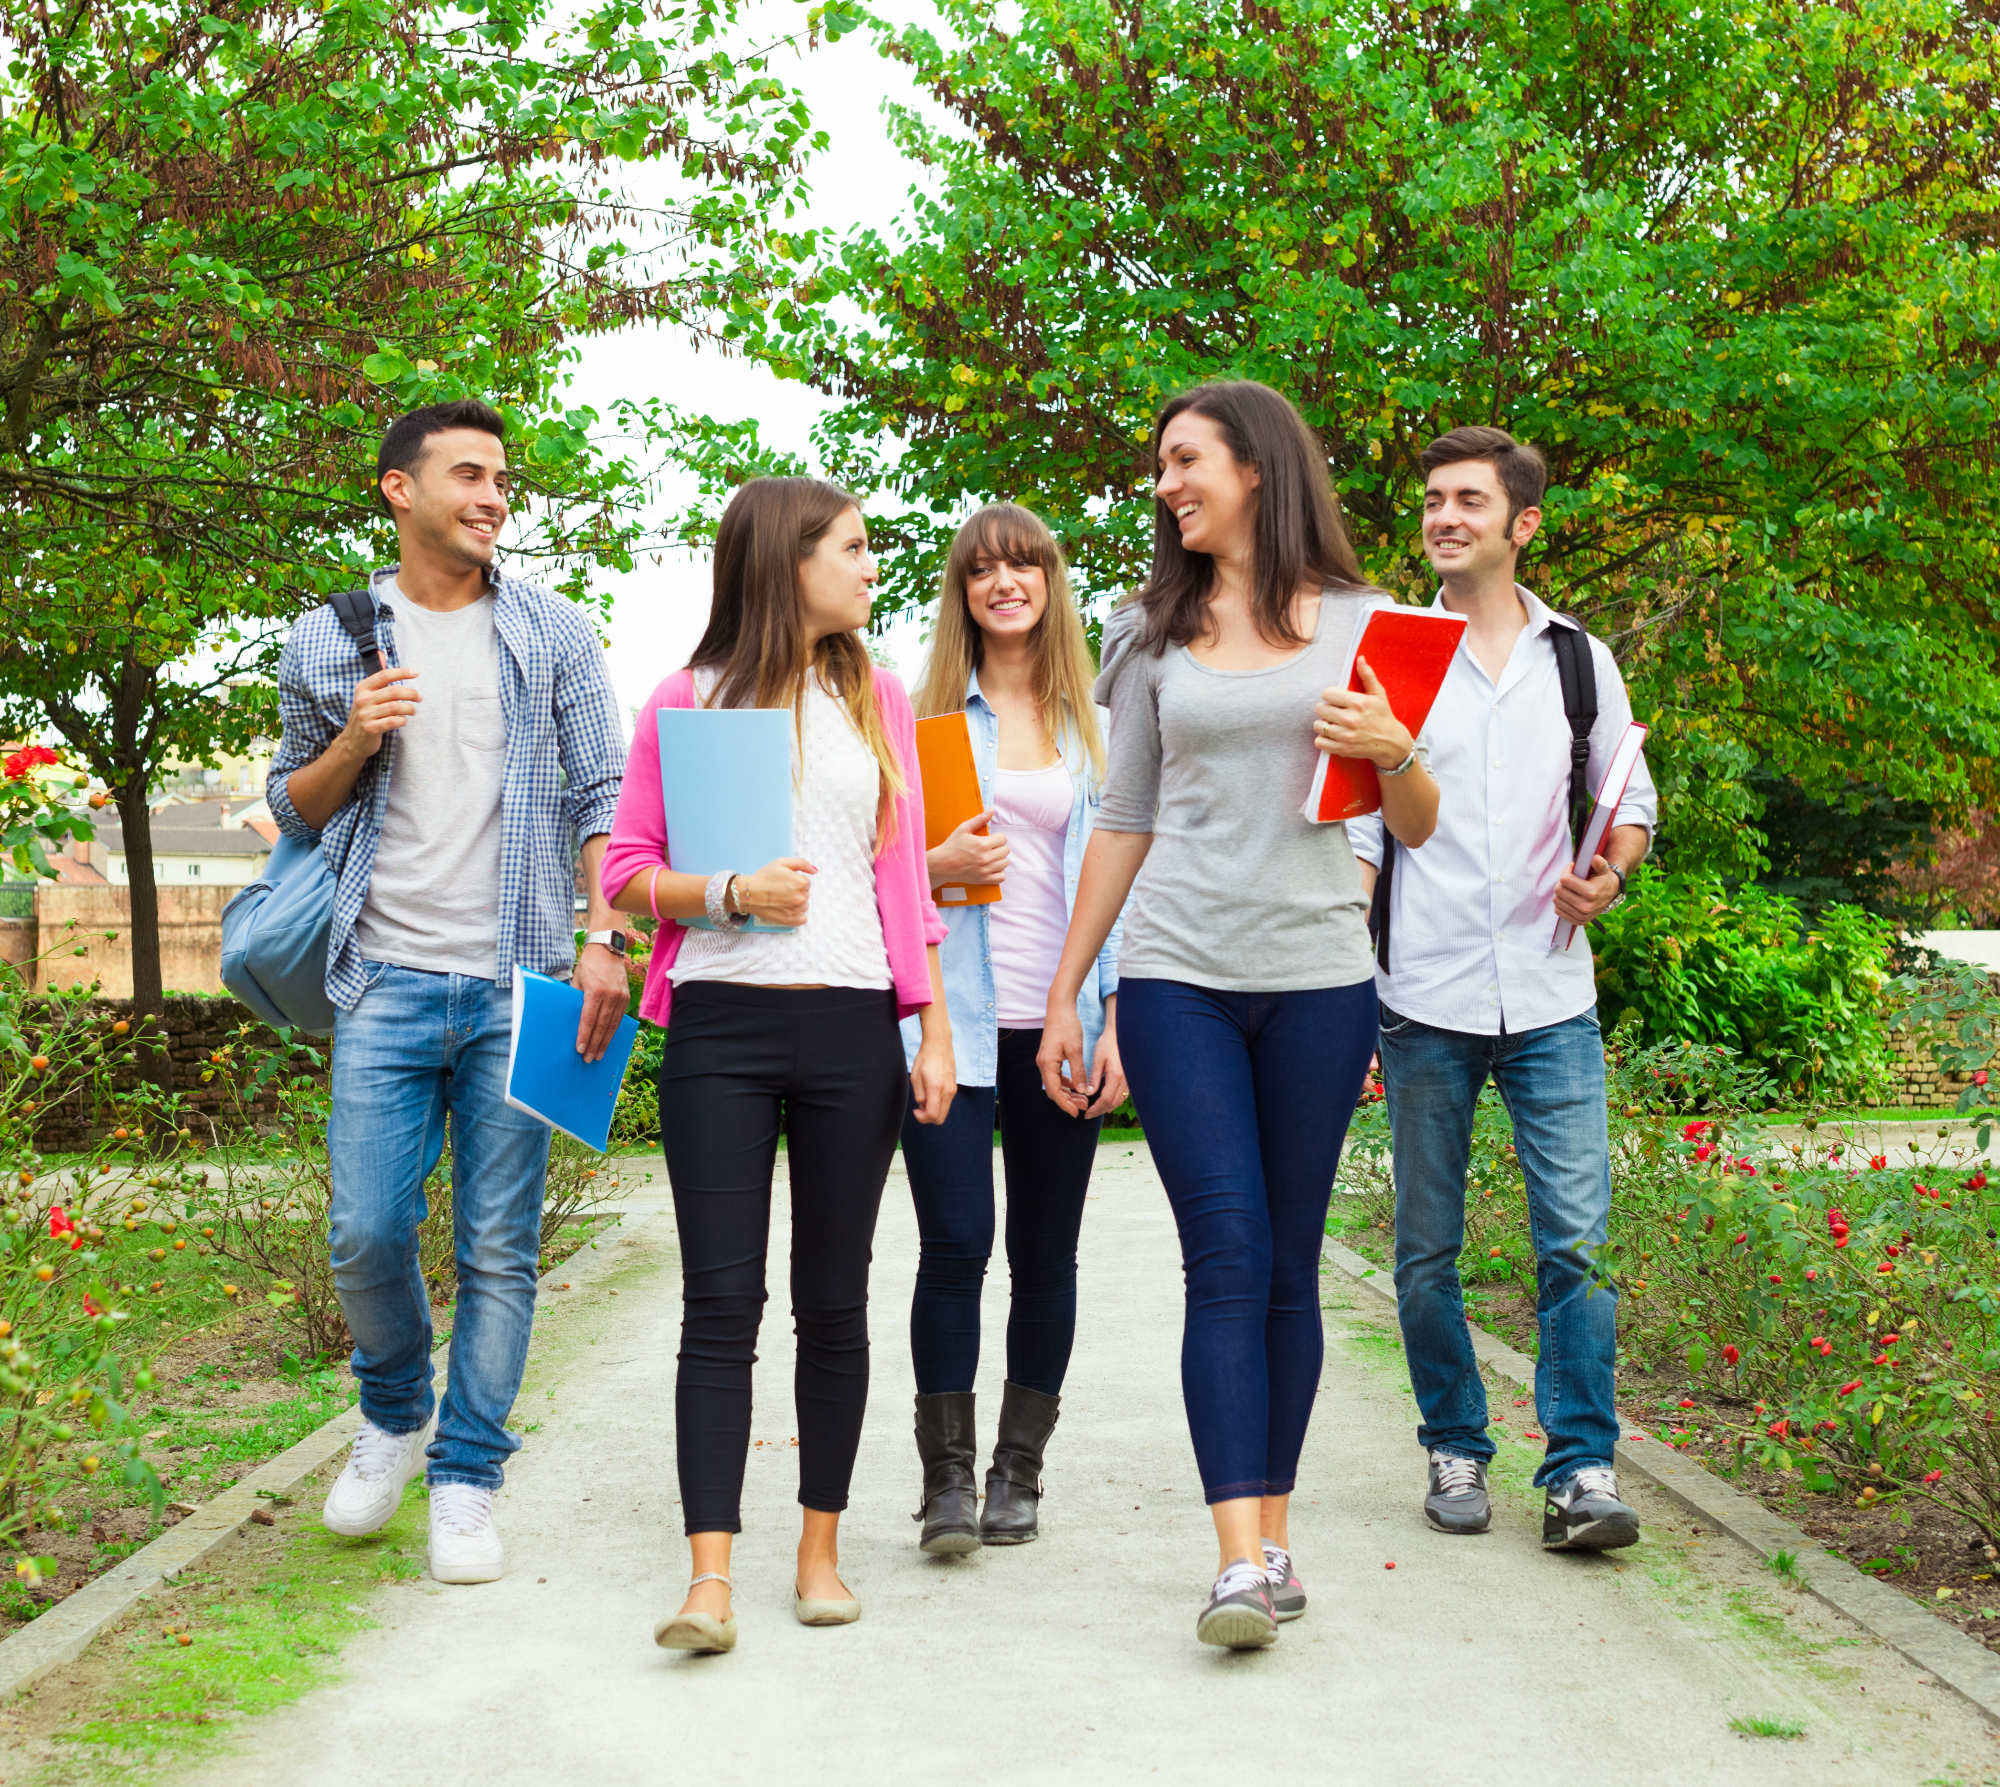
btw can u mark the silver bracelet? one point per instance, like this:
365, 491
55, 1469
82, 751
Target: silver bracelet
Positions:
715, 899
1403, 768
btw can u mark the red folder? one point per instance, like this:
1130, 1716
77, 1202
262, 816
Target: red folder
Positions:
1409, 649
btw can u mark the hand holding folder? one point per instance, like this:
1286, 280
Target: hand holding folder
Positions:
951, 797
547, 1077
1409, 650
726, 787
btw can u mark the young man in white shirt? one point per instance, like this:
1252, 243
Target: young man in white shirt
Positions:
1472, 989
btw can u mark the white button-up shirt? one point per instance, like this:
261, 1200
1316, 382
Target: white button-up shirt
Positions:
1473, 917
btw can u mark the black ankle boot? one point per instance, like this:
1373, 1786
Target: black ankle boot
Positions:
1014, 1484
949, 1447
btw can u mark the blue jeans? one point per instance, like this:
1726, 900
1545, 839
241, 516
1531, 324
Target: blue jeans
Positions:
1245, 1098
1552, 1081
1048, 1155
419, 1045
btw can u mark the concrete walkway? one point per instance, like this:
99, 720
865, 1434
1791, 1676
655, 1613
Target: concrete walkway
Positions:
1074, 1659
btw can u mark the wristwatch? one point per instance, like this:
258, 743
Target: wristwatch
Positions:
612, 940
1623, 885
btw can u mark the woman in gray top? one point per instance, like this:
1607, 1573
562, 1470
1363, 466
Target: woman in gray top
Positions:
1246, 989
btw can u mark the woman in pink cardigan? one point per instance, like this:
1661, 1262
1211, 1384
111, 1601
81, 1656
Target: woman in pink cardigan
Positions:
800, 1021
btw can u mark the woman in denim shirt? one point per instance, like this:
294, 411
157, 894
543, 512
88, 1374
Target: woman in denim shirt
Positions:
1010, 651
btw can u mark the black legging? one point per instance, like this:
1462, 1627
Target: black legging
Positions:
1048, 1155
830, 1058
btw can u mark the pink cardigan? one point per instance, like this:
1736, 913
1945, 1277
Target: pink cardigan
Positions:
638, 845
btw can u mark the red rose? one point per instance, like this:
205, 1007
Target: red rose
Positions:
1730, 1355
1979, 1079
59, 1224
1878, 1161
1932, 1476
32, 757
1704, 1151
1779, 1429
1848, 1389
1693, 1130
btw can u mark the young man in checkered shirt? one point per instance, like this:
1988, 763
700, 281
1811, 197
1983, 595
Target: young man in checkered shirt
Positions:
445, 790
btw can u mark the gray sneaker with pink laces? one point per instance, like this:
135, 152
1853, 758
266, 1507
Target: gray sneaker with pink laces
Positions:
1288, 1593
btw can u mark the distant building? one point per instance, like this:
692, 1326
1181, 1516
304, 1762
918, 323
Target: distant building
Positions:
196, 843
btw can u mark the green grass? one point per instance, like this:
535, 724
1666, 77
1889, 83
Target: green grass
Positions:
1785, 1566
1789, 1728
264, 1629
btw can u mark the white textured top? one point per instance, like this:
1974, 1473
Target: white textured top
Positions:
1027, 925
433, 897
836, 783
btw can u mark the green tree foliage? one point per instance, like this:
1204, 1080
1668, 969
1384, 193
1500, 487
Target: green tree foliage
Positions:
1732, 267
235, 239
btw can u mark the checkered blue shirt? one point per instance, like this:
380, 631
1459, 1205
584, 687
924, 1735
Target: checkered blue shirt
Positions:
565, 758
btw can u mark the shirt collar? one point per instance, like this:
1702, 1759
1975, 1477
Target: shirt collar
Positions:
972, 693
386, 573
1541, 617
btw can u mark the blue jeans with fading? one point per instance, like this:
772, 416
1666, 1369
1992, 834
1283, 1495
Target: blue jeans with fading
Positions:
1552, 1081
420, 1046
1246, 1099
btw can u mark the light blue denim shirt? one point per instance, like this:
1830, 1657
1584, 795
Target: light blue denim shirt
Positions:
967, 953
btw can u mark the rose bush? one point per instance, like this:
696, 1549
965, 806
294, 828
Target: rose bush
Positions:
1833, 1303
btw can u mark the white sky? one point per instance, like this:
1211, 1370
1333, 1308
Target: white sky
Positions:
658, 611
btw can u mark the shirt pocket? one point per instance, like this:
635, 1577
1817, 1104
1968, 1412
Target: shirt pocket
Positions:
481, 725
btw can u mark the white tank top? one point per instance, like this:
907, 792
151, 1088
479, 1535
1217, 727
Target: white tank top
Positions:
1027, 923
835, 786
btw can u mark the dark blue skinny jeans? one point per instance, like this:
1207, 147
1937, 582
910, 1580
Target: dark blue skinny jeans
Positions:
1047, 1155
1245, 1098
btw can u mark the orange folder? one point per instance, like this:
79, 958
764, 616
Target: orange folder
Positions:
951, 797
1409, 649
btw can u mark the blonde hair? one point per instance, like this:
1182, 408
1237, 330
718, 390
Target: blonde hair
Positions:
1063, 670
755, 641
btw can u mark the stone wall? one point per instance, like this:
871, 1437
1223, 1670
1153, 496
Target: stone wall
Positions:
196, 1030
1918, 1079
99, 947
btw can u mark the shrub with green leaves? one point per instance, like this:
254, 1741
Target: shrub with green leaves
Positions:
1682, 957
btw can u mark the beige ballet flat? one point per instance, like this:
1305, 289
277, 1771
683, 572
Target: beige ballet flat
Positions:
815, 1612
702, 1633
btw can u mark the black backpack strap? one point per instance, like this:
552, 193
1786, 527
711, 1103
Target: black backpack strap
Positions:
1378, 902
355, 610
1578, 675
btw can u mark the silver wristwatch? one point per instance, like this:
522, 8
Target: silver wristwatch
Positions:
612, 940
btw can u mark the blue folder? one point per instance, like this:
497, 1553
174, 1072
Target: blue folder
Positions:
726, 785
546, 1077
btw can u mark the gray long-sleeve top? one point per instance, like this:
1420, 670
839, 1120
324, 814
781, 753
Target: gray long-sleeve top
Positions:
1239, 892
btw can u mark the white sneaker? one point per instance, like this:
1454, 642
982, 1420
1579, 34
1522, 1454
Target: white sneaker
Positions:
465, 1546
366, 1493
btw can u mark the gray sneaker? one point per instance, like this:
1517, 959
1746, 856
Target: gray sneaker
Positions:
1457, 1501
1288, 1593
1585, 1514
1239, 1614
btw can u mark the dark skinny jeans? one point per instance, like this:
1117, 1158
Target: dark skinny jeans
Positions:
1246, 1098
827, 1062
1047, 1155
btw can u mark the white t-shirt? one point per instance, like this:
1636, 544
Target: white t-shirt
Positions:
433, 899
836, 783
1026, 925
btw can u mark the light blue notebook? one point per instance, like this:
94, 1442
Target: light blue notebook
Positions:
726, 785
546, 1077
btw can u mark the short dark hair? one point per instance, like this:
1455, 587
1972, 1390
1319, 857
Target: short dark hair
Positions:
1519, 465
403, 442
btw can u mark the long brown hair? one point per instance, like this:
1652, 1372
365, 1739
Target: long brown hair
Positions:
1297, 534
756, 638
1062, 668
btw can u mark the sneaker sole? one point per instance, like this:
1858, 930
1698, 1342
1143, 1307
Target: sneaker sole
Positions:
1596, 1535
1236, 1628
1458, 1532
469, 1573
952, 1544
1291, 1613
